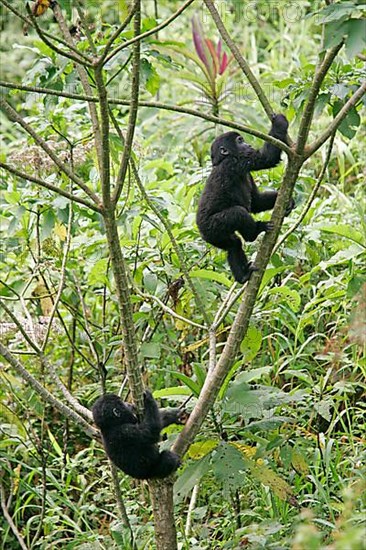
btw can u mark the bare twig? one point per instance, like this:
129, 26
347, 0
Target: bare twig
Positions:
116, 34
167, 309
311, 198
158, 105
45, 394
191, 507
85, 27
49, 186
149, 32
92, 347
64, 53
243, 64
120, 503
84, 78
14, 116
352, 102
307, 116
62, 279
9, 519
135, 88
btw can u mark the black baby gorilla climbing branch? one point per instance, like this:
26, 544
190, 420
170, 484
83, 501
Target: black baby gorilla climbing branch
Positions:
132, 445
231, 195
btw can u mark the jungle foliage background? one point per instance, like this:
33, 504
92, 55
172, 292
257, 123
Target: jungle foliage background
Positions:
279, 461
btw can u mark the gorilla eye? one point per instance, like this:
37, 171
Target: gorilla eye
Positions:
224, 151
239, 139
116, 412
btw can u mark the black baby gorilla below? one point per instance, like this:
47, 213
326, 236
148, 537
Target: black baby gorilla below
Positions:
230, 195
132, 445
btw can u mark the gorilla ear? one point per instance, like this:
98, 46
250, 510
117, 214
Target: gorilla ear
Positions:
224, 151
116, 412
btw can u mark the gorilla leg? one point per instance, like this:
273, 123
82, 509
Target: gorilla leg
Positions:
222, 225
239, 265
167, 464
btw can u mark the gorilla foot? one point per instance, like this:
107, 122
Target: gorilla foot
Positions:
246, 276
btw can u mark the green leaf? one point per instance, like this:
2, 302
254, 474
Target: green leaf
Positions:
200, 374
298, 462
172, 392
55, 444
191, 384
336, 12
98, 273
228, 467
150, 350
270, 479
192, 474
334, 33
199, 449
211, 276
254, 374
251, 344
288, 295
150, 77
162, 164
48, 223
150, 281
347, 231
269, 274
350, 123
323, 408
356, 39
11, 197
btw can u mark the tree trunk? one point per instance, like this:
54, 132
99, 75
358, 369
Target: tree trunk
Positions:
161, 492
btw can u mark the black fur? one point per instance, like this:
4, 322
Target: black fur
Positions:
132, 445
230, 195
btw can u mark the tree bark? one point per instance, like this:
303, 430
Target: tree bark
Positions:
161, 492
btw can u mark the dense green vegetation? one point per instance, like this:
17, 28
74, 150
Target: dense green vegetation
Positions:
279, 461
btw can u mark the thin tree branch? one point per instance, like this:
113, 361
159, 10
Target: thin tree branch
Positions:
50, 187
311, 198
158, 105
45, 394
243, 64
29, 23
149, 32
87, 330
59, 51
167, 227
240, 325
62, 280
85, 28
227, 305
32, 343
191, 508
15, 117
119, 268
9, 519
352, 102
120, 503
167, 309
105, 168
308, 113
135, 88
116, 34
84, 78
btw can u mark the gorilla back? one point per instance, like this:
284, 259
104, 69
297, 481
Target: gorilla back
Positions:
231, 195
